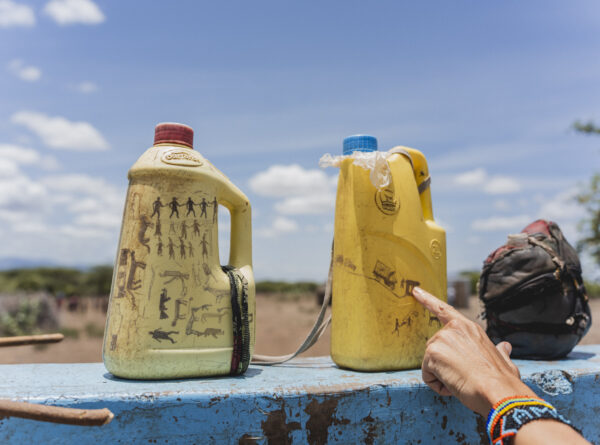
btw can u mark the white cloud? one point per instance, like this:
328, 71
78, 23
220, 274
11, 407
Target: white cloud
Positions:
28, 73
69, 12
86, 87
492, 185
18, 154
501, 185
471, 177
305, 191
286, 180
279, 226
502, 204
494, 223
15, 14
562, 207
307, 205
60, 133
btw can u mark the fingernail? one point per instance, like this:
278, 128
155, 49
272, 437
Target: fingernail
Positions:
417, 290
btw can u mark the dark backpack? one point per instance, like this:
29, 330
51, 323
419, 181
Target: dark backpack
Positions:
533, 293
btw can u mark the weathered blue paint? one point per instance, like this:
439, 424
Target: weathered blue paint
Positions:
308, 401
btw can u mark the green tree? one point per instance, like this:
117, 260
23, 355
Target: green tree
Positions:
590, 199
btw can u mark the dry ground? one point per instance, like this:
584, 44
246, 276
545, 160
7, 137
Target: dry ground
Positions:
281, 326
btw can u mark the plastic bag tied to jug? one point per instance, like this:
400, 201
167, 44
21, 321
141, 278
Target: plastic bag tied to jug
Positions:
374, 161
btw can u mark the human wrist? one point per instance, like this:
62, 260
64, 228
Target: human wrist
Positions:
491, 392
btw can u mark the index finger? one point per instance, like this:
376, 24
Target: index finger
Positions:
437, 307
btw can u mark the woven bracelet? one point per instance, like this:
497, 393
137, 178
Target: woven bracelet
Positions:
511, 413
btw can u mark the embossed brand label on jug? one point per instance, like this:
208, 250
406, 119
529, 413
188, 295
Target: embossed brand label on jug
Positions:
178, 156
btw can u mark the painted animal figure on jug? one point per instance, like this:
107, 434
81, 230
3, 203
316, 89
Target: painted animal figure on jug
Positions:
159, 335
162, 305
179, 311
145, 224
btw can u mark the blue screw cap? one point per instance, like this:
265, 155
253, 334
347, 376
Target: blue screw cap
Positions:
359, 142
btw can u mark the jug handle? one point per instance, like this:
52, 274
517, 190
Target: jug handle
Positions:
240, 246
421, 173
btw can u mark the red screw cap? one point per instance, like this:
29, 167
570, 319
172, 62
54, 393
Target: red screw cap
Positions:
171, 132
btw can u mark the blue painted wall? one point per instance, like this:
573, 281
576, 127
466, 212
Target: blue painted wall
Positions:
308, 401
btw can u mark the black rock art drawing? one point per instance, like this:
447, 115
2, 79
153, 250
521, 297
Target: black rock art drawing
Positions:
189, 328
204, 244
184, 228
196, 226
190, 250
157, 228
214, 332
127, 280
172, 228
208, 273
221, 309
174, 206
145, 224
434, 320
203, 205
385, 275
219, 294
171, 249
409, 285
215, 205
159, 247
406, 321
162, 305
181, 249
180, 306
176, 275
159, 335
156, 206
190, 207
205, 307
113, 342
207, 315
349, 264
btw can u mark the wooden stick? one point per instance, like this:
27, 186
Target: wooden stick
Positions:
55, 414
31, 340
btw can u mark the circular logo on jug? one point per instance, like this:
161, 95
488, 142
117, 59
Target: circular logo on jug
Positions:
436, 249
178, 156
386, 201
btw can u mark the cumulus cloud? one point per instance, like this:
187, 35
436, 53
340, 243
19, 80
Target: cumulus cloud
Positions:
501, 185
504, 223
307, 205
60, 133
286, 180
490, 184
280, 225
15, 14
471, 177
305, 191
28, 73
69, 12
86, 87
19, 154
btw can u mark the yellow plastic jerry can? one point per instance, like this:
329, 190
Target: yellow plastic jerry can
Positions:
174, 312
385, 243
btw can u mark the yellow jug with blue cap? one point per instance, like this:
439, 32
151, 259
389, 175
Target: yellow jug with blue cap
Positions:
174, 311
386, 242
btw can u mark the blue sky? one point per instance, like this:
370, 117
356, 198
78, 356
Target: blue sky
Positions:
487, 90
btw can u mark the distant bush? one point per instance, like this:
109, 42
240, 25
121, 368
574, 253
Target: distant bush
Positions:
473, 277
69, 332
55, 280
22, 315
279, 287
93, 330
593, 289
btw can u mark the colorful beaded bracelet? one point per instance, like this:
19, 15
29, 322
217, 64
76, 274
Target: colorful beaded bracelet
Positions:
511, 413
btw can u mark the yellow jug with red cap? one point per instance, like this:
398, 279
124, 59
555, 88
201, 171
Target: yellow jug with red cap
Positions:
386, 242
174, 311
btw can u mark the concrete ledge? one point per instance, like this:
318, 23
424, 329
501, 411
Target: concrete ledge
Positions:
308, 401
